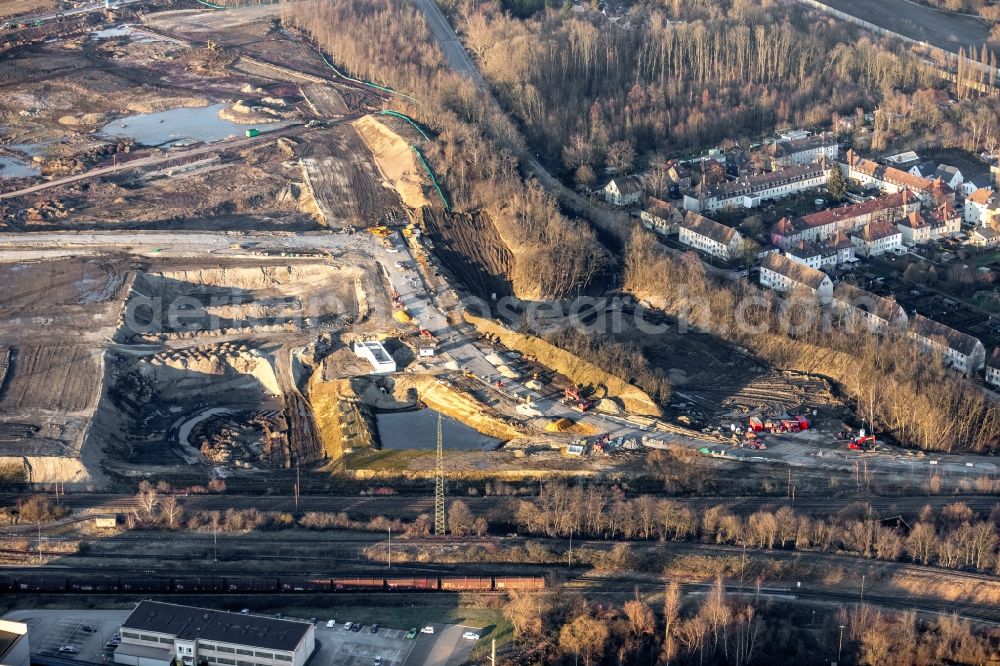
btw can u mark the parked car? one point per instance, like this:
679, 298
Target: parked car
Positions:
412, 633
471, 635
427, 630
357, 627
377, 661
68, 649
330, 623
374, 629
348, 626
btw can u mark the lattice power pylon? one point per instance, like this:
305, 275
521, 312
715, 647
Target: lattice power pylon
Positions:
439, 525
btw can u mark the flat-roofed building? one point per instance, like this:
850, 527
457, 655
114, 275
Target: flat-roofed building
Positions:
160, 634
375, 353
14, 644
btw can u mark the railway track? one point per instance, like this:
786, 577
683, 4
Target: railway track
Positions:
405, 505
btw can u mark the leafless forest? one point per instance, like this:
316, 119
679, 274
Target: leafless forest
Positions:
390, 45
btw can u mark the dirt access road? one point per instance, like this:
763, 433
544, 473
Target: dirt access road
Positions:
154, 160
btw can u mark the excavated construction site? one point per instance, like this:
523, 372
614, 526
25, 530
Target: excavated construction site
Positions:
184, 197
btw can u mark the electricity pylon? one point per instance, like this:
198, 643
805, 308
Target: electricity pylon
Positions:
439, 527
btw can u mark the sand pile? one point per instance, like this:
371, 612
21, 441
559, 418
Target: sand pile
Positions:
227, 359
396, 161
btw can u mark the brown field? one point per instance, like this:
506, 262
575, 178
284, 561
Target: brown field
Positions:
56, 377
17, 7
350, 186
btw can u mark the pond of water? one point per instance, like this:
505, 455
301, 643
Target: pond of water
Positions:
418, 430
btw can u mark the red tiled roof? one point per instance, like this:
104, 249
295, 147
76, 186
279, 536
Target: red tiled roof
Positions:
878, 230
832, 215
914, 221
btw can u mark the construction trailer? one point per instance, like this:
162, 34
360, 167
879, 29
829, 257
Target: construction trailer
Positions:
427, 344
375, 353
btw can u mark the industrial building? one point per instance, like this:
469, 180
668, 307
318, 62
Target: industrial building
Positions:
160, 634
13, 643
375, 353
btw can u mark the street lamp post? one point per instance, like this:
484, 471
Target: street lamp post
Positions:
840, 645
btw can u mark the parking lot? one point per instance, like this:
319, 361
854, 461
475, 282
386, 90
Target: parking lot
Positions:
49, 630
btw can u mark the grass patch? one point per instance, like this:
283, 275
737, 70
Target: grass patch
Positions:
384, 459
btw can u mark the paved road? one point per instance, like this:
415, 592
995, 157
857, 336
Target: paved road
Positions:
944, 30
85, 9
610, 221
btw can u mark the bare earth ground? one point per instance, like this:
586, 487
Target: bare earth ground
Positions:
342, 173
17, 7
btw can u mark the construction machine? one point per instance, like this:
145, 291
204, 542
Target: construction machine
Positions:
574, 398
867, 443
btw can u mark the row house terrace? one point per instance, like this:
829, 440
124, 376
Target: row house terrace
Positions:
845, 219
751, 191
892, 180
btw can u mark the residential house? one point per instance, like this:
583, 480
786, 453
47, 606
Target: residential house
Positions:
661, 216
678, 173
924, 169
877, 238
945, 172
796, 152
984, 237
780, 273
993, 368
957, 350
623, 191
838, 249
982, 207
905, 159
751, 191
846, 219
940, 192
710, 237
877, 313
886, 178
973, 183
915, 228
945, 222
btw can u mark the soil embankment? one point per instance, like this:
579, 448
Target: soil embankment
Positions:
341, 420
395, 160
441, 396
635, 400
471, 248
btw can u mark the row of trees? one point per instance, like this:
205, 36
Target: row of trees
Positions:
953, 538
721, 628
389, 43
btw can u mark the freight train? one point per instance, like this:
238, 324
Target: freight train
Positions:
68, 583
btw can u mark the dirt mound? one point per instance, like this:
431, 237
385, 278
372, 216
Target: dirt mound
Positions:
342, 421
441, 396
395, 160
576, 369
222, 360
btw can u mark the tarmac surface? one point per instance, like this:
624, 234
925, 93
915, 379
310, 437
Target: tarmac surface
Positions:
945, 30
